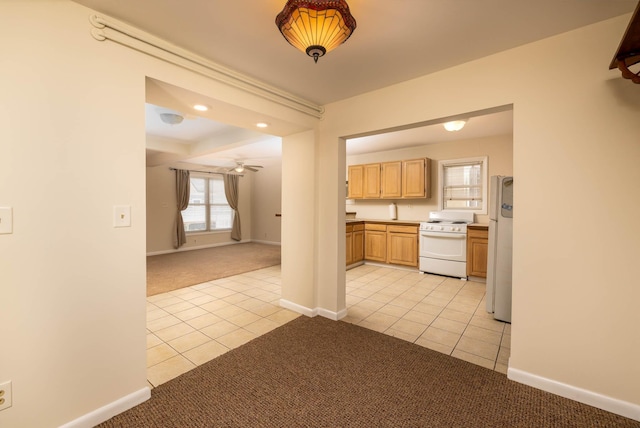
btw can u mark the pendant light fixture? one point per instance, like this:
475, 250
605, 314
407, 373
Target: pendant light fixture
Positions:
316, 26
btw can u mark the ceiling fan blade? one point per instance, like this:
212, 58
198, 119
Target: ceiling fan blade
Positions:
250, 168
254, 166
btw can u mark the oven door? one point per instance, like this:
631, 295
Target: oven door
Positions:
443, 246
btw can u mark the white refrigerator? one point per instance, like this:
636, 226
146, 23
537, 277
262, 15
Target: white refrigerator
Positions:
500, 248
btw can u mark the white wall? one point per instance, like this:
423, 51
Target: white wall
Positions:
498, 149
161, 214
298, 222
72, 307
575, 156
74, 121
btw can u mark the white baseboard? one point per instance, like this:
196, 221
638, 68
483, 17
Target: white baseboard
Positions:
259, 241
613, 405
202, 247
110, 410
335, 316
298, 308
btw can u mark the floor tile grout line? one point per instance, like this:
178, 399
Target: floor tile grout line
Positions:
399, 286
450, 300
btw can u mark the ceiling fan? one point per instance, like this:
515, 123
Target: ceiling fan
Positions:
240, 167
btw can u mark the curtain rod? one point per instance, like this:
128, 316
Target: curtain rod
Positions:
205, 172
195, 170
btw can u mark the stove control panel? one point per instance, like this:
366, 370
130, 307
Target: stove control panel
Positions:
444, 228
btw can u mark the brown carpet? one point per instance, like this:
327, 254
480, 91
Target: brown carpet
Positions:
167, 272
313, 372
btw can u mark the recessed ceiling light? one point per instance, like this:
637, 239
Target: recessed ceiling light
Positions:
201, 107
262, 124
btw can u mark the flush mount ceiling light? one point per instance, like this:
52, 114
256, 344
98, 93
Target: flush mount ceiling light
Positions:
201, 107
455, 125
171, 118
262, 125
316, 26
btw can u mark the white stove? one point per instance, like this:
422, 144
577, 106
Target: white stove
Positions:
443, 243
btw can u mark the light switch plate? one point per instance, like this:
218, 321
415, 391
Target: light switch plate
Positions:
6, 220
5, 395
121, 216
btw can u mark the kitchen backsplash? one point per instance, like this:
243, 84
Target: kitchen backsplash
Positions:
410, 210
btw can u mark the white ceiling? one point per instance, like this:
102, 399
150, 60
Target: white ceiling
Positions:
393, 42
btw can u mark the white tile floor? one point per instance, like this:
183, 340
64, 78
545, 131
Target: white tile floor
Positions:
444, 314
193, 325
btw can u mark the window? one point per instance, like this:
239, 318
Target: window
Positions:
208, 208
463, 185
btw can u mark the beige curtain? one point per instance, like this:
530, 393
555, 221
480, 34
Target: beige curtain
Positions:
231, 192
182, 197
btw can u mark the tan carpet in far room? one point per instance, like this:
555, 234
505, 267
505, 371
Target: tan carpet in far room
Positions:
168, 272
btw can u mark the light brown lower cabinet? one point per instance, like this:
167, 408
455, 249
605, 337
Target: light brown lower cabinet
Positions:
402, 245
477, 251
357, 248
375, 242
389, 243
354, 248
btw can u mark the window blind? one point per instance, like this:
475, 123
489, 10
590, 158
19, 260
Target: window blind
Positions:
462, 185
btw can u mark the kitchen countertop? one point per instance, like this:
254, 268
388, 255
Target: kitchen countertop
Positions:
370, 220
411, 222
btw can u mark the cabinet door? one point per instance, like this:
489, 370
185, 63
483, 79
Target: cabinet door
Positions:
356, 180
349, 248
357, 247
402, 248
414, 179
477, 252
375, 245
391, 180
371, 188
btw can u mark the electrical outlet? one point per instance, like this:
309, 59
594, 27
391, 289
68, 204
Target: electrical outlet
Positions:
5, 395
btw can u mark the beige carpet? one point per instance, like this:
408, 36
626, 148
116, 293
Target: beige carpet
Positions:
313, 372
168, 272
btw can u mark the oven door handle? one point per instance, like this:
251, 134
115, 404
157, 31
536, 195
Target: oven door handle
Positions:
445, 235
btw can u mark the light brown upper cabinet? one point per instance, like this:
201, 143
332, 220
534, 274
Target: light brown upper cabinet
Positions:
391, 180
416, 174
356, 180
404, 179
371, 181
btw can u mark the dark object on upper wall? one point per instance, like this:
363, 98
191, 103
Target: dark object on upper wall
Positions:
629, 50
